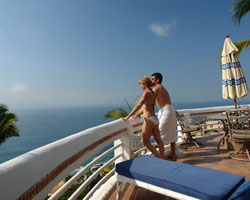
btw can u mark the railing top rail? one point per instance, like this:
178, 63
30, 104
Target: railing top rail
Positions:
205, 111
48, 161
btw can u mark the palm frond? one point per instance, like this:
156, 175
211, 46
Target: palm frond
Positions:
116, 114
137, 101
7, 127
245, 44
239, 9
3, 109
129, 106
7, 121
119, 112
10, 132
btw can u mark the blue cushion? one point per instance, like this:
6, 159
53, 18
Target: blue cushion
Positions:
199, 182
243, 192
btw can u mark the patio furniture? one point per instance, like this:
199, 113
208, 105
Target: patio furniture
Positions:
181, 180
244, 107
223, 119
239, 132
187, 130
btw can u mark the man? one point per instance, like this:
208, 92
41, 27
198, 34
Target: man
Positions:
166, 114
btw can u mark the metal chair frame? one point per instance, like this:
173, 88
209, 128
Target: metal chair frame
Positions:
188, 131
239, 131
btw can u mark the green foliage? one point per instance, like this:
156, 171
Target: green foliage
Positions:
116, 114
119, 112
7, 126
81, 180
107, 169
129, 106
66, 195
239, 9
67, 178
245, 44
136, 101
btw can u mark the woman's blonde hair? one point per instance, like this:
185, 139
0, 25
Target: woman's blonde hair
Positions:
146, 80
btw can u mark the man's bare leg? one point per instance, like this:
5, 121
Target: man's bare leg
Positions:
172, 153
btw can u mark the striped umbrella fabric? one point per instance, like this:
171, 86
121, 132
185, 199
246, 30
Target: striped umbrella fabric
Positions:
234, 84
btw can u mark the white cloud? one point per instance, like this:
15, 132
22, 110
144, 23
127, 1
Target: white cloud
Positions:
19, 88
162, 30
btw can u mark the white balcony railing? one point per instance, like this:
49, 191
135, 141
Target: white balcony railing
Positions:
34, 174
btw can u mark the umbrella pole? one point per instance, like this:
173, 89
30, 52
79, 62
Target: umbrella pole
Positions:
235, 103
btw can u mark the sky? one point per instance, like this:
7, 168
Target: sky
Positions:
82, 53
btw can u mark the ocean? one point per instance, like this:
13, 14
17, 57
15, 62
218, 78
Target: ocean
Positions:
41, 127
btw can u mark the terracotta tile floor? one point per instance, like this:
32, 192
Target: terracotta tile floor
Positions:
207, 156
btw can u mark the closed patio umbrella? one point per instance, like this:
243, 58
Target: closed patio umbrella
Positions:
234, 84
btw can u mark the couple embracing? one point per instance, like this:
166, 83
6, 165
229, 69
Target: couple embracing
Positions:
162, 127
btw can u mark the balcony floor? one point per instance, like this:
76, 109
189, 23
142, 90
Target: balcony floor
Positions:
207, 156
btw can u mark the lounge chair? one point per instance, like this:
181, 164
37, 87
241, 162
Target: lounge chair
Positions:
180, 180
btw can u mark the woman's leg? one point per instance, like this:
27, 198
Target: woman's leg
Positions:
157, 136
146, 134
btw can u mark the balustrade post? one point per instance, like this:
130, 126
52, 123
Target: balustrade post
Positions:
125, 148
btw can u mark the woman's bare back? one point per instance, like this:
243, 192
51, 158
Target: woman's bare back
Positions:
149, 103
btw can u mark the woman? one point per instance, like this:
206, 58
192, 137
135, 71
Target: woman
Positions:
150, 123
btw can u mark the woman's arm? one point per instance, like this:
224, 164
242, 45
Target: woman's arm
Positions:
138, 114
136, 108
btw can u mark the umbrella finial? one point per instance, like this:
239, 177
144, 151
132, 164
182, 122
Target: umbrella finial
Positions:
227, 36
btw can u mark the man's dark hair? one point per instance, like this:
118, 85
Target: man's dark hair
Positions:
158, 76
